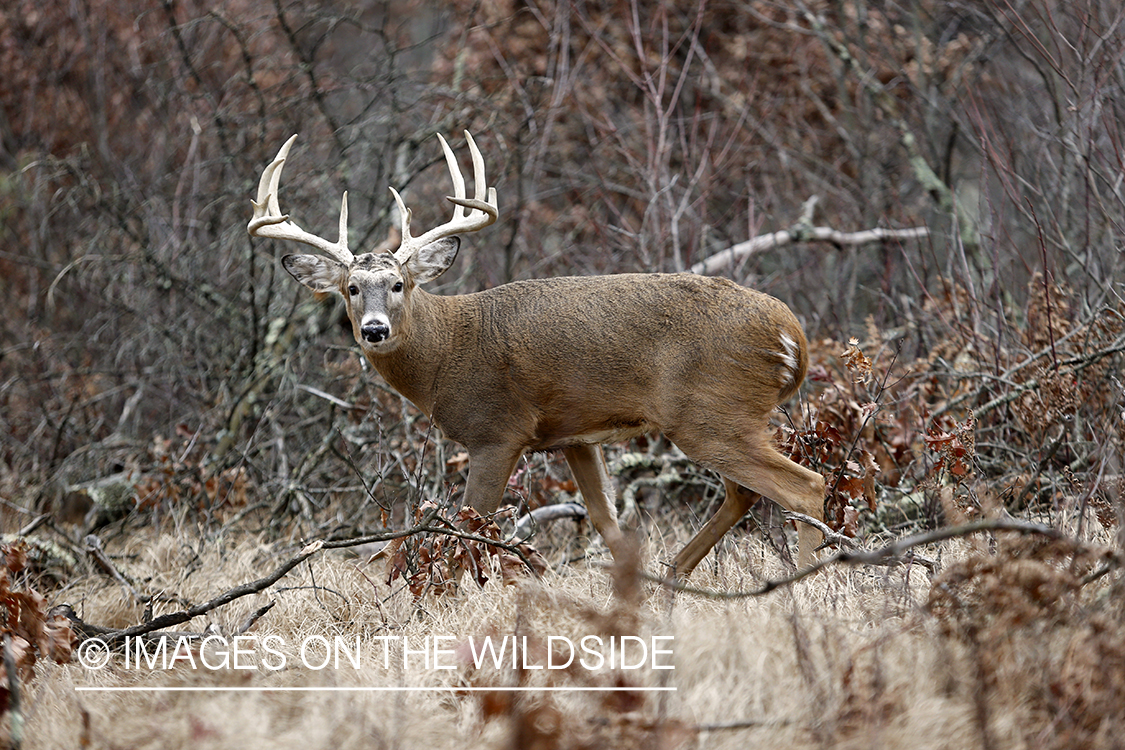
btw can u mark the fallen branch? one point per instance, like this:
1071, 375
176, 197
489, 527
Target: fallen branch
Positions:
888, 554
842, 540
157, 625
830, 536
526, 525
95, 551
115, 636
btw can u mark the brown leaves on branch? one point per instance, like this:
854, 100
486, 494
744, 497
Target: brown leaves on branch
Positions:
436, 563
29, 632
1020, 420
956, 450
845, 438
856, 361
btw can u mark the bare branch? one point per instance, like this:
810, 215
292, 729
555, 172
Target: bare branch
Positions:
545, 514
890, 554
798, 233
94, 548
113, 636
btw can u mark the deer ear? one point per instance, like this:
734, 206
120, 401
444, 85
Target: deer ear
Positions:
316, 272
433, 259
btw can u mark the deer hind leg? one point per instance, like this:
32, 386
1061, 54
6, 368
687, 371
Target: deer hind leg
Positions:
759, 468
738, 500
789, 484
587, 464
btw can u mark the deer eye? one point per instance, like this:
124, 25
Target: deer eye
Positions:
397, 287
353, 289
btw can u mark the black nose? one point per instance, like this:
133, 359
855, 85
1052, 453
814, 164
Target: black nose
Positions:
375, 332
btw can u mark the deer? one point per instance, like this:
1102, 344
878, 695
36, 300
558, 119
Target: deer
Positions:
569, 363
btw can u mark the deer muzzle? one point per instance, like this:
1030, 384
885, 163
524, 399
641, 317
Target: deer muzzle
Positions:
375, 331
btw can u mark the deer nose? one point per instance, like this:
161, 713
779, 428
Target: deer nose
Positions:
375, 332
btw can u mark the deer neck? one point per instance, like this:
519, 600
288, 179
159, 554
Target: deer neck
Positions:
413, 368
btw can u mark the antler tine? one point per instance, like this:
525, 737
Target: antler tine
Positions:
266, 209
342, 242
455, 175
469, 215
479, 183
403, 215
269, 222
478, 202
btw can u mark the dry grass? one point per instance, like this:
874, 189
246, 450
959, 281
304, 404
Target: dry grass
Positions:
1001, 651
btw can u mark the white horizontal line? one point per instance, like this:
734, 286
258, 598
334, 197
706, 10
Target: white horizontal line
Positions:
451, 688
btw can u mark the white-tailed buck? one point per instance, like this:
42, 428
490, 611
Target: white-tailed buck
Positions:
570, 363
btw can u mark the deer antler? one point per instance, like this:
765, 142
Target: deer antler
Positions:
470, 214
269, 222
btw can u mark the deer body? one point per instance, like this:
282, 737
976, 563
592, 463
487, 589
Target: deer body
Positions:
569, 363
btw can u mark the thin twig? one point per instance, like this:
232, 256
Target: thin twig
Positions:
94, 550
256, 615
743, 724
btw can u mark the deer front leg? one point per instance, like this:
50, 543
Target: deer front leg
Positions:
587, 463
489, 471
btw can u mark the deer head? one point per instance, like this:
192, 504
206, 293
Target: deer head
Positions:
376, 287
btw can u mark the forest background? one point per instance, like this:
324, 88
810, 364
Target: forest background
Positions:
161, 375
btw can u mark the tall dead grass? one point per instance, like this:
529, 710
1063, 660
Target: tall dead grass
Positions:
1006, 647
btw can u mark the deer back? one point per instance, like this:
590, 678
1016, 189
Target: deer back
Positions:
589, 359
